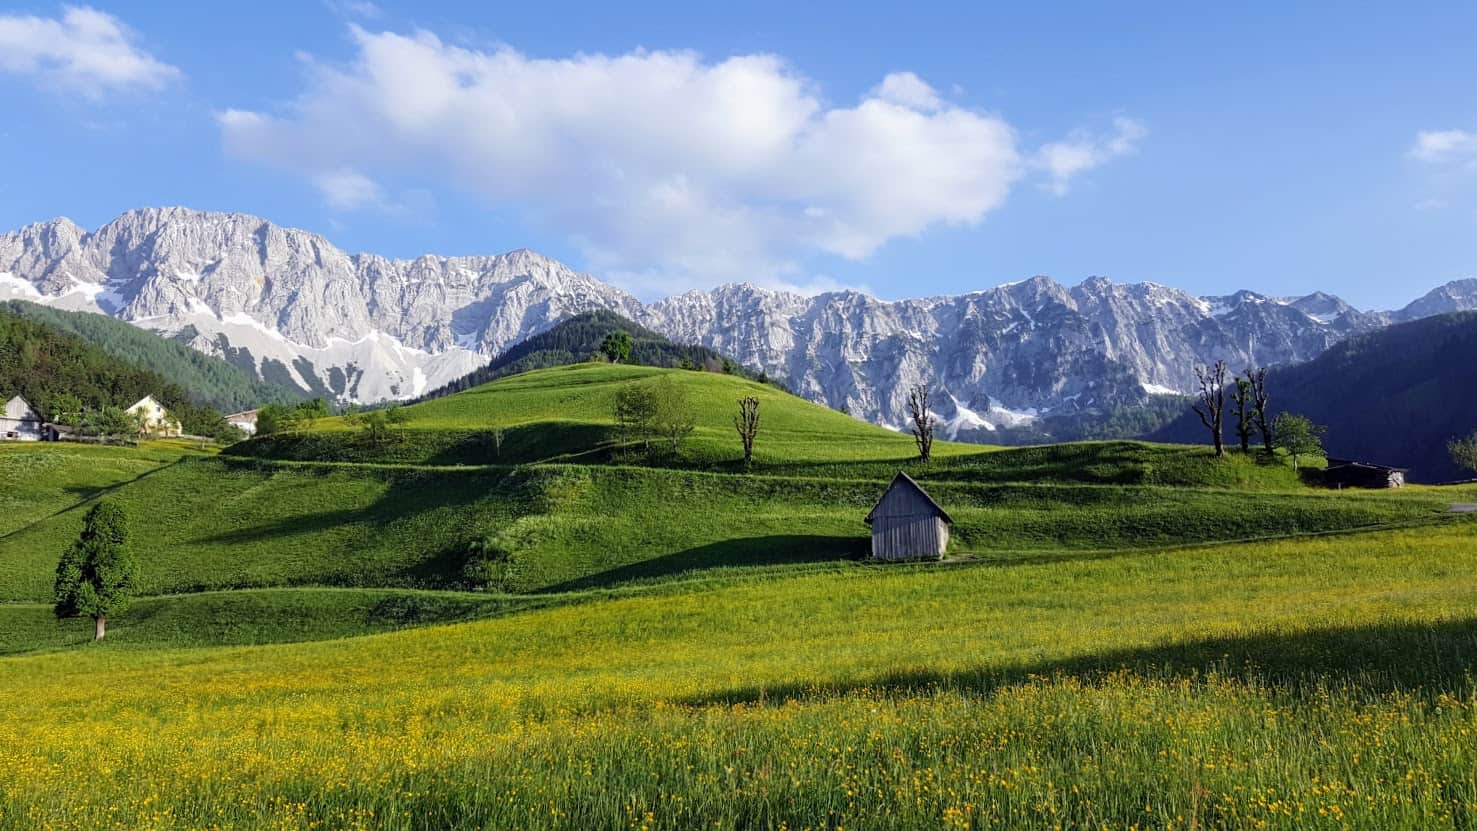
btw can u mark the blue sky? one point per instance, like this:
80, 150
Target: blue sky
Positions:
675, 146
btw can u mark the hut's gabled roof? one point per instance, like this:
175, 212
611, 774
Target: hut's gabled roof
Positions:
903, 480
1336, 464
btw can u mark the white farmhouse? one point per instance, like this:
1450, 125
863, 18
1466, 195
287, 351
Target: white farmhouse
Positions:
245, 421
20, 421
154, 419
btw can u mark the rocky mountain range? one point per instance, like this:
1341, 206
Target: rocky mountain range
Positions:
295, 309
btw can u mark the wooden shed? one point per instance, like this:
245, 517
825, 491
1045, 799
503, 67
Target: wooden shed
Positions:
1347, 473
907, 524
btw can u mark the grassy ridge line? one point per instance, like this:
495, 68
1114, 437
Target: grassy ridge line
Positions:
224, 523
1341, 678
250, 617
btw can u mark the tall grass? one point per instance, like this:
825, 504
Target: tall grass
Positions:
1301, 684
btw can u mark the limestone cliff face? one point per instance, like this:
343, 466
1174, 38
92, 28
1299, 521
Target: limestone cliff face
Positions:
360, 327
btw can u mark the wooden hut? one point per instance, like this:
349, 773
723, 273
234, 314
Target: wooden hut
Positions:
907, 524
1347, 473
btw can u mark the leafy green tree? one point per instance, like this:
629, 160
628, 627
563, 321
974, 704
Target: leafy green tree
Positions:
275, 418
97, 574
1464, 451
310, 411
65, 408
616, 347
1299, 436
377, 425
111, 423
635, 414
674, 419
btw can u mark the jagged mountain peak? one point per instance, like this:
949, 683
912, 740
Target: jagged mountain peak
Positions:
1455, 296
295, 308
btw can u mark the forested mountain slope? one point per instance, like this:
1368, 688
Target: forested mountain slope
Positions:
577, 339
209, 379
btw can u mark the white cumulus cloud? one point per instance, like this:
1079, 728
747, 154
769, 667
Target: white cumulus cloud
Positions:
84, 51
659, 164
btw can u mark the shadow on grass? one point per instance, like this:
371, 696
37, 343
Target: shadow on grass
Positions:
772, 550
408, 494
1424, 658
524, 444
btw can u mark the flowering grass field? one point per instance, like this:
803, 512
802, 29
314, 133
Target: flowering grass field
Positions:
1297, 684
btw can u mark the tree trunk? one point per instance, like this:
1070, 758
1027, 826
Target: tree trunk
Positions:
101, 627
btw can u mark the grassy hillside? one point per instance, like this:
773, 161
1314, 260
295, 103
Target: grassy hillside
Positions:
564, 414
1395, 396
44, 479
1301, 684
210, 380
223, 523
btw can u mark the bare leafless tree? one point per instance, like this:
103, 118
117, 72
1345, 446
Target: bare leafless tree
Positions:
1212, 406
923, 420
1241, 396
497, 440
1259, 399
747, 425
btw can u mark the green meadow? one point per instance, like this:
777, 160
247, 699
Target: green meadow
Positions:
434, 632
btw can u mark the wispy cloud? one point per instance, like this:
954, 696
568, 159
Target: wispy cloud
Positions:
355, 9
1445, 147
348, 190
84, 51
659, 164
1062, 161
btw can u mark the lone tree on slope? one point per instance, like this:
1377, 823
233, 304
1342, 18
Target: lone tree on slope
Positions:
616, 347
1212, 406
674, 419
1241, 395
1299, 436
635, 414
1464, 451
747, 425
96, 575
923, 421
